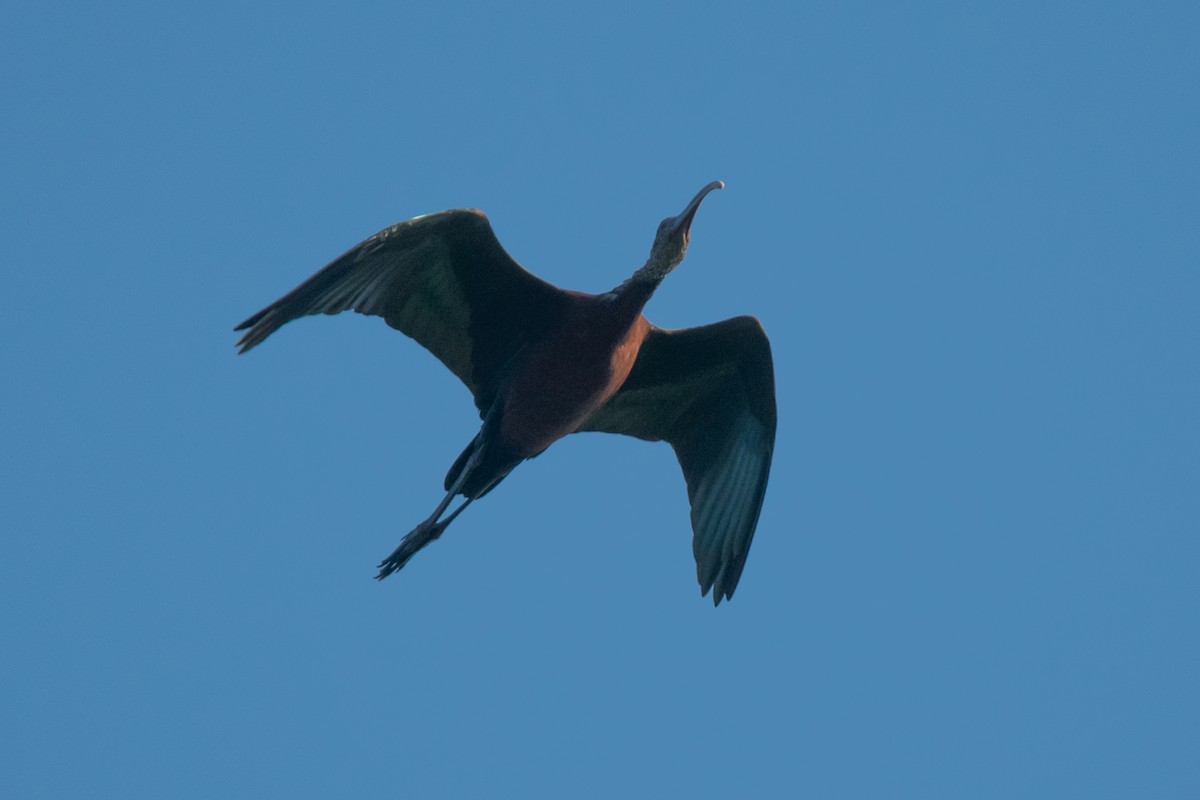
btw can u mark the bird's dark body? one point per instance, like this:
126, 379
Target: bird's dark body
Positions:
559, 381
544, 362
570, 374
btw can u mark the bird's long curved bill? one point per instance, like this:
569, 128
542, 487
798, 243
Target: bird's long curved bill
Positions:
684, 220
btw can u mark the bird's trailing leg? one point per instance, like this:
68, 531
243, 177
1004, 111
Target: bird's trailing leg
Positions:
430, 529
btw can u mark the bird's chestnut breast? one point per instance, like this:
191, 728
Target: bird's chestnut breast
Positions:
567, 377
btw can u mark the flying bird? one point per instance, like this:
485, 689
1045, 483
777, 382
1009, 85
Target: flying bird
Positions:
543, 362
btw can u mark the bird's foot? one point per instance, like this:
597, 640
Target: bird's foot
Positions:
417, 538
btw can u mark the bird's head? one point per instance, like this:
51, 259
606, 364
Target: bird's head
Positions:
671, 241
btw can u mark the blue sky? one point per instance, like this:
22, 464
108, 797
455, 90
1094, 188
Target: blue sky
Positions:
969, 229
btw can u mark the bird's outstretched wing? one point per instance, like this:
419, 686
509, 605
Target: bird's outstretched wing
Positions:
709, 392
442, 279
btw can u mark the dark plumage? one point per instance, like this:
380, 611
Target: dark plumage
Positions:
543, 362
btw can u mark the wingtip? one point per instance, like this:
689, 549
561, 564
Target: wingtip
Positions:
240, 344
718, 593
247, 341
260, 326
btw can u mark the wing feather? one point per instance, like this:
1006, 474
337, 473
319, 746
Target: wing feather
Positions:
442, 279
710, 393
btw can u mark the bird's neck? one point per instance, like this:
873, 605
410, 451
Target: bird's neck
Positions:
633, 294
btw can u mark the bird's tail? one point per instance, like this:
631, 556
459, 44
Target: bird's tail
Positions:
459, 464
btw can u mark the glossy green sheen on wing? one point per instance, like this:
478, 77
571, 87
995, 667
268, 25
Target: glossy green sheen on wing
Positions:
709, 392
444, 280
